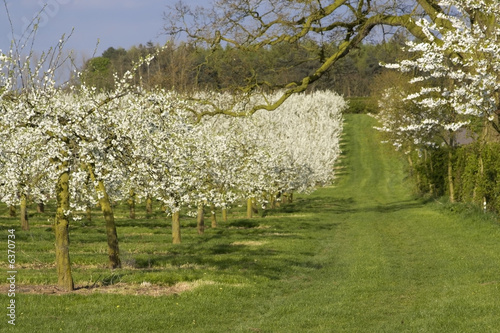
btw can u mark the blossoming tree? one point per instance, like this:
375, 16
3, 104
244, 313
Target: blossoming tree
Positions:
457, 68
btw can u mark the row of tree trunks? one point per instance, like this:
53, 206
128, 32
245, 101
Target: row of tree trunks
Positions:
200, 222
273, 200
480, 174
24, 211
477, 197
61, 227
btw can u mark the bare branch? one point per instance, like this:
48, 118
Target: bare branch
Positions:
251, 25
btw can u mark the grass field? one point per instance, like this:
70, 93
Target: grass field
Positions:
363, 256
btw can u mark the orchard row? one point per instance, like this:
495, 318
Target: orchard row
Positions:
80, 146
147, 145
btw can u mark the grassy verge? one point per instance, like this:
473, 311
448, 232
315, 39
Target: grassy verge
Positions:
363, 256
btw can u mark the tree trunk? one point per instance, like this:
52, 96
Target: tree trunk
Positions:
109, 218
480, 174
24, 213
431, 164
12, 211
249, 208
410, 163
254, 206
149, 206
61, 227
450, 177
284, 198
89, 213
131, 204
112, 235
272, 201
428, 171
40, 207
176, 228
224, 214
200, 220
213, 216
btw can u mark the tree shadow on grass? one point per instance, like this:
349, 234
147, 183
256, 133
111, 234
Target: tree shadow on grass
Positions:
225, 260
225, 256
144, 223
347, 205
384, 208
244, 224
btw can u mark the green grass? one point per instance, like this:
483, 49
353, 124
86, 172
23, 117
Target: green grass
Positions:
362, 256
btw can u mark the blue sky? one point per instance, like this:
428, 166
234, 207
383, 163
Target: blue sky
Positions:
117, 23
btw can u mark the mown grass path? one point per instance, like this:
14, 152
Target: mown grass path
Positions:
393, 263
363, 256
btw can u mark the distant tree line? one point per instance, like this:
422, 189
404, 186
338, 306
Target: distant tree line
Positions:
184, 67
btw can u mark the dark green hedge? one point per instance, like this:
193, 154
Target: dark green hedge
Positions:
358, 105
475, 170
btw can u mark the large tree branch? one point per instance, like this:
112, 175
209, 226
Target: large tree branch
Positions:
354, 20
434, 11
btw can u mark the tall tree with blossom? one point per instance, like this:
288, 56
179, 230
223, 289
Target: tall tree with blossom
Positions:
458, 69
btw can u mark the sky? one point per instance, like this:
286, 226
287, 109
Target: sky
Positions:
115, 23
